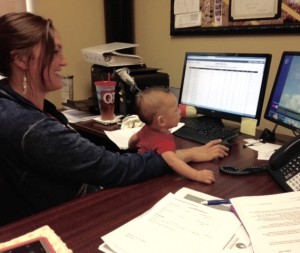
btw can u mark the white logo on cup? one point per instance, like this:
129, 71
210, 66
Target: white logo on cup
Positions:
109, 98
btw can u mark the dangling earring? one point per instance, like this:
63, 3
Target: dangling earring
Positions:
24, 84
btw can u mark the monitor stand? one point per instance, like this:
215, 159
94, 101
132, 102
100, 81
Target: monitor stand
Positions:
213, 121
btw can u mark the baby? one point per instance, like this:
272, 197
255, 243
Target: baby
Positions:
158, 109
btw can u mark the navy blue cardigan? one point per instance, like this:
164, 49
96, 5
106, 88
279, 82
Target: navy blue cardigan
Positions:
47, 162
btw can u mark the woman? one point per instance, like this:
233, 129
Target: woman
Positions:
41, 157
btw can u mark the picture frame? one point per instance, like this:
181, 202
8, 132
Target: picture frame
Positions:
224, 17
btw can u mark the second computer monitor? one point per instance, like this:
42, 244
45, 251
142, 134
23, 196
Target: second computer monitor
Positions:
225, 85
284, 104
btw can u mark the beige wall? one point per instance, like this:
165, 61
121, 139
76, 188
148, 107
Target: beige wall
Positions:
80, 24
159, 49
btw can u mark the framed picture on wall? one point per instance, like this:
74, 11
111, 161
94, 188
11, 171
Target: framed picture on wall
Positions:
217, 17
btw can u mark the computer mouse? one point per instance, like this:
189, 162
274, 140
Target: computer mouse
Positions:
226, 144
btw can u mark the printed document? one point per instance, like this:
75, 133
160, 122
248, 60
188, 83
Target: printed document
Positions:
272, 221
121, 136
175, 224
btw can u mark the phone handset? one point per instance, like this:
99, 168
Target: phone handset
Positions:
280, 157
285, 165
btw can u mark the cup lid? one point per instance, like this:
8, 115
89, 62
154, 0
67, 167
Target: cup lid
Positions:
105, 83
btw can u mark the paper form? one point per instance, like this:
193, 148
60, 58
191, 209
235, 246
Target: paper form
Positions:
186, 6
175, 225
121, 137
272, 221
254, 9
187, 13
188, 20
240, 241
265, 150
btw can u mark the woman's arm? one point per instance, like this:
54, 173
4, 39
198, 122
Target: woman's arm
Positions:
207, 152
65, 155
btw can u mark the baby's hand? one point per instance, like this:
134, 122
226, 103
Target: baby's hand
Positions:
205, 176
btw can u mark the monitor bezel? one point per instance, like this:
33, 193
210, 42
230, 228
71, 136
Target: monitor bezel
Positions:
275, 84
225, 115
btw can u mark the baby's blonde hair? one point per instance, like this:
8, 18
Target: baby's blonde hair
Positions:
149, 102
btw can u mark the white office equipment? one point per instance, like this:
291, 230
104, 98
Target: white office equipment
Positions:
106, 55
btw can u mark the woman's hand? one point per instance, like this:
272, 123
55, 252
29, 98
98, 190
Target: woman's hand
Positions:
212, 150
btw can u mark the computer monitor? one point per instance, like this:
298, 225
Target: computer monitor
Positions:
225, 85
283, 107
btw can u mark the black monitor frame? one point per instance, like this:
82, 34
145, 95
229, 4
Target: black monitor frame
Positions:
226, 115
285, 116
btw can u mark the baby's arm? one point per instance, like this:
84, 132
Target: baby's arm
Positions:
133, 141
204, 176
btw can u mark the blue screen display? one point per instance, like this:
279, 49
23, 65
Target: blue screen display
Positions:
284, 103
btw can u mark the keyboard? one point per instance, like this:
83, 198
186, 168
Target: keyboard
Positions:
204, 129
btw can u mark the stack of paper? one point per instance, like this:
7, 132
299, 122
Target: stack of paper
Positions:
272, 221
264, 149
179, 223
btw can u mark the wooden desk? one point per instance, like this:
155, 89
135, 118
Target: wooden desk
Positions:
81, 223
95, 132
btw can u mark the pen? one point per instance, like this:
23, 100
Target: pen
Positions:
216, 202
251, 143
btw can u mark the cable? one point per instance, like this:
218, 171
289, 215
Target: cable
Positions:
123, 73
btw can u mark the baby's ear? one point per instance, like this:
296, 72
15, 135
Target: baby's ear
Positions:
160, 120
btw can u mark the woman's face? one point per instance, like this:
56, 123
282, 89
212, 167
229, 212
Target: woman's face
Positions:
52, 74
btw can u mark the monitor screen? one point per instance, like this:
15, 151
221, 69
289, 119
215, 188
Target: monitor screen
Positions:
284, 104
225, 85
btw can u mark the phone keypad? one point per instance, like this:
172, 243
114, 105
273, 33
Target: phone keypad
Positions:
291, 172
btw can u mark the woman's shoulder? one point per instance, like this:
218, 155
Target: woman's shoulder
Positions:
16, 113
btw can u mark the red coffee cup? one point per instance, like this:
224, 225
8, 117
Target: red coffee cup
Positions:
106, 98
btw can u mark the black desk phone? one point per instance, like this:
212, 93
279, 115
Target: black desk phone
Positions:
285, 165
